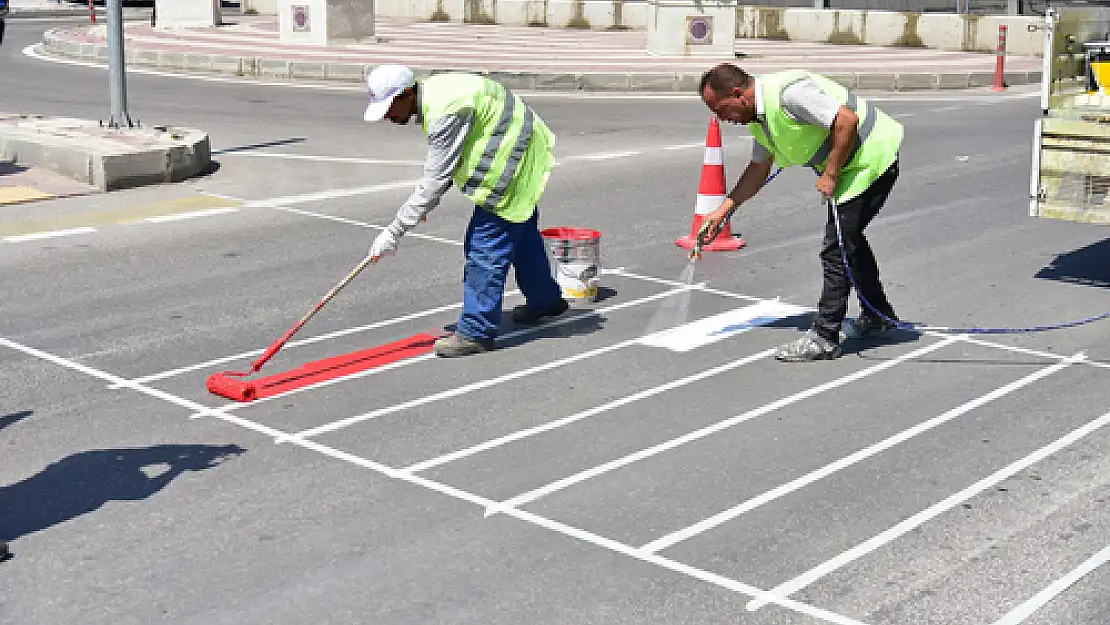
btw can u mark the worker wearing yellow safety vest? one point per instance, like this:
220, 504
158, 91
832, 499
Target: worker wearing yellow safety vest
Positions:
801, 118
499, 153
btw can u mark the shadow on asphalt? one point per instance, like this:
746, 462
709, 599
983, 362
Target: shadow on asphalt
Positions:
259, 146
1089, 266
84, 482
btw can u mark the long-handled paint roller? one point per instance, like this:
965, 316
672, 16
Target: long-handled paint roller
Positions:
230, 383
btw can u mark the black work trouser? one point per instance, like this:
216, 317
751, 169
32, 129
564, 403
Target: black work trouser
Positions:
855, 214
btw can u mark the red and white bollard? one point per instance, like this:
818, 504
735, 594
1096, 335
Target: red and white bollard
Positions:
92, 12
1000, 60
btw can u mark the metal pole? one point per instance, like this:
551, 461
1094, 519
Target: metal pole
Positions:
1049, 60
1000, 61
117, 79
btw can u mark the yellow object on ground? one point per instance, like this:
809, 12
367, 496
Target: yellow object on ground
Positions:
16, 195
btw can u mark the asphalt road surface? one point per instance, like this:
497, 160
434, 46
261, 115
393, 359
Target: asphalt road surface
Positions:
581, 473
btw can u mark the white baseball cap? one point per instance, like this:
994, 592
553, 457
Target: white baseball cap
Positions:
386, 82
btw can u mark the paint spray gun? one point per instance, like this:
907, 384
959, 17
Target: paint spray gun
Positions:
703, 237
704, 233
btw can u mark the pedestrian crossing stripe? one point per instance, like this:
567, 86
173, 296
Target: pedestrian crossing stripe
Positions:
702, 332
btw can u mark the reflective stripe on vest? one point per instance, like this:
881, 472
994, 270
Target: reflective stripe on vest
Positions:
863, 132
497, 138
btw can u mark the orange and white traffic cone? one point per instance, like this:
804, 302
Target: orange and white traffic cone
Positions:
711, 192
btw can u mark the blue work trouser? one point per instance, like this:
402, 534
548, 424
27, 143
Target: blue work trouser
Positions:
491, 245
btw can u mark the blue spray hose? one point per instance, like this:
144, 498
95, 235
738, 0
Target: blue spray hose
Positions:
916, 326
925, 328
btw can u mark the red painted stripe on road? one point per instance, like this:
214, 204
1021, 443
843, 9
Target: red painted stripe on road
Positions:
337, 366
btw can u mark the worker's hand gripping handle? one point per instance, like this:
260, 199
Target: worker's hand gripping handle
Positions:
709, 232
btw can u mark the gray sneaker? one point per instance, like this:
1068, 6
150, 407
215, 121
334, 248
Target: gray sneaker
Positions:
811, 346
867, 326
457, 345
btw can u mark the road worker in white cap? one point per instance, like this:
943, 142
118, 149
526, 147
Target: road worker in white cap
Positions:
499, 153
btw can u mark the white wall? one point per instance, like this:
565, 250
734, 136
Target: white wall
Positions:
944, 31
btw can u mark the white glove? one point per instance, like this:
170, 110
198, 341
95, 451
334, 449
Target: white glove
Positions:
384, 245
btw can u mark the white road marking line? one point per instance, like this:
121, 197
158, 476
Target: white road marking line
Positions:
381, 161
617, 403
902, 114
362, 224
581, 476
1025, 610
962, 337
556, 526
51, 234
708, 330
488, 382
1027, 352
330, 194
307, 341
565, 529
418, 359
602, 157
696, 287
528, 517
324, 159
933, 511
115, 380
674, 538
190, 215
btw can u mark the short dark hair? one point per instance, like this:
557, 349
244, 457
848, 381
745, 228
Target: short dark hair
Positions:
724, 78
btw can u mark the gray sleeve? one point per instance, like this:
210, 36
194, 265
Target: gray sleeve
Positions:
760, 154
807, 102
446, 137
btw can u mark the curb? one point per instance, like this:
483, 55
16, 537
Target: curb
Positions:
355, 73
14, 14
118, 160
101, 14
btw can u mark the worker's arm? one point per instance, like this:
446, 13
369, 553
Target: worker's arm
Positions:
807, 102
844, 132
446, 138
751, 181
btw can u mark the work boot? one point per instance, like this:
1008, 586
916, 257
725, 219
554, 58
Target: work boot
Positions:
525, 315
867, 326
812, 346
457, 345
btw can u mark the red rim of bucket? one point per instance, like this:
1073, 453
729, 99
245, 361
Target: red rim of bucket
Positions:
576, 234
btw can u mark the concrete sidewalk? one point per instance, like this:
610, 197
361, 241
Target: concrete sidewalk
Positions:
67, 8
523, 57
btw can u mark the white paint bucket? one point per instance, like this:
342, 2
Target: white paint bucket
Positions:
575, 261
